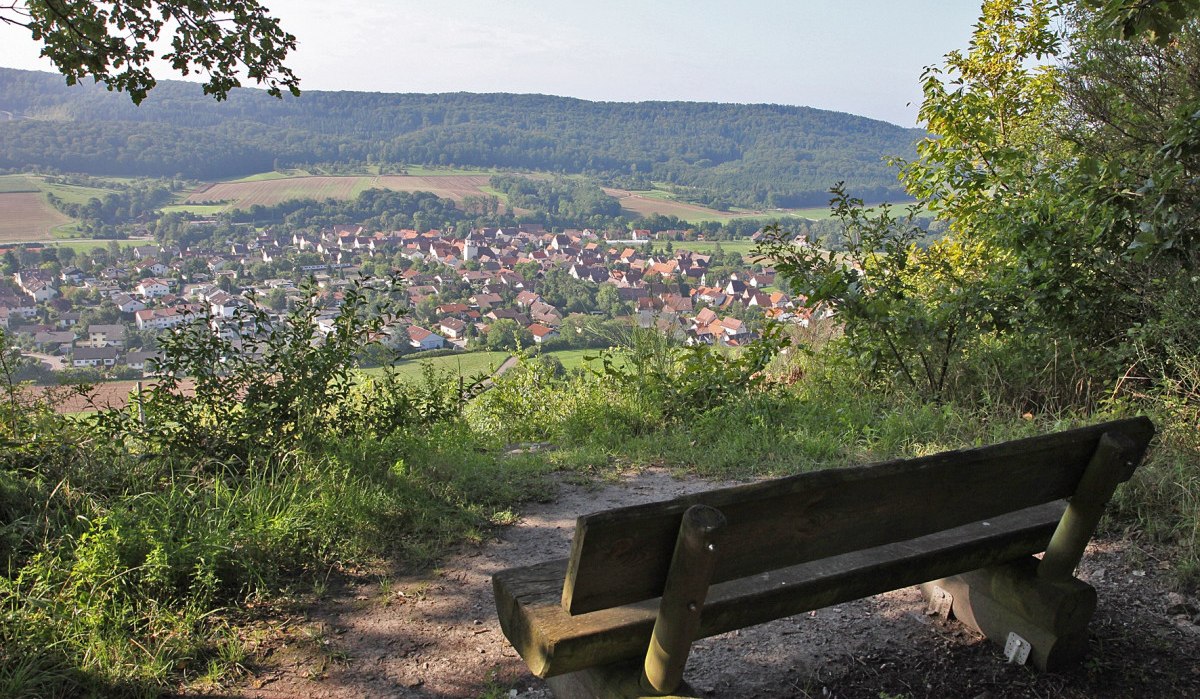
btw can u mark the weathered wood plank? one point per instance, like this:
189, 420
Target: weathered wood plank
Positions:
621, 556
553, 642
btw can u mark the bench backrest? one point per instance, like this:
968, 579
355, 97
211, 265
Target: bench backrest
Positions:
622, 556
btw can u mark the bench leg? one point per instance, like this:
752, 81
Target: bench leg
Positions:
616, 681
1052, 616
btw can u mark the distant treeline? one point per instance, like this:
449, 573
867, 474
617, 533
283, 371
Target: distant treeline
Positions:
559, 201
717, 154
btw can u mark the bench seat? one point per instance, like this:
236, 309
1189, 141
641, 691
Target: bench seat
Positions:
553, 642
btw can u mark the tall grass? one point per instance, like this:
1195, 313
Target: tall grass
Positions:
128, 597
124, 569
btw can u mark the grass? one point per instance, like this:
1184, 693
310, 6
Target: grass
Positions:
17, 183
423, 171
576, 358
273, 175
199, 209
661, 200
466, 365
124, 568
743, 247
81, 246
74, 194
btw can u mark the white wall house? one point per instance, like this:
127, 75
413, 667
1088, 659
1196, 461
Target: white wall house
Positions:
423, 339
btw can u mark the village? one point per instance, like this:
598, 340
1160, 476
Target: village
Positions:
101, 311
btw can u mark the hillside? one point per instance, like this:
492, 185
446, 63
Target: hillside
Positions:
721, 154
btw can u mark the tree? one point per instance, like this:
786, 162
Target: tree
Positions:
113, 41
506, 335
276, 299
609, 301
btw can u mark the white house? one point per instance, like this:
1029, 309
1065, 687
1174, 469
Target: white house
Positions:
423, 339
105, 335
152, 288
453, 328
162, 318
127, 304
40, 291
541, 333
94, 356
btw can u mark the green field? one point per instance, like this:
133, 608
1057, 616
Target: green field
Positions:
273, 175
74, 194
575, 359
467, 364
647, 202
199, 209
82, 245
18, 183
422, 171
470, 364
706, 247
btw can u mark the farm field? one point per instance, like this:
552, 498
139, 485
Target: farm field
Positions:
649, 203
271, 188
267, 190
656, 201
454, 187
106, 395
242, 194
27, 216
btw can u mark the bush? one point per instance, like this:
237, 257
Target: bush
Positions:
269, 386
907, 311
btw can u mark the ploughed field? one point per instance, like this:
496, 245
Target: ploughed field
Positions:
27, 216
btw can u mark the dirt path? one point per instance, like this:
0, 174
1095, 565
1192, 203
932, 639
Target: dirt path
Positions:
437, 635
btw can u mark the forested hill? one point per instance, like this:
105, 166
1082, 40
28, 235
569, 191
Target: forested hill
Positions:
741, 154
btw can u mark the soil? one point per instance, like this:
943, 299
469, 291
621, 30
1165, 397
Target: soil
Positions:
436, 635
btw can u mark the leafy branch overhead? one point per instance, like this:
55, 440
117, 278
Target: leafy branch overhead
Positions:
115, 42
1157, 20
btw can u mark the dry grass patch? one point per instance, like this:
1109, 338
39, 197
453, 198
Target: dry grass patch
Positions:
27, 216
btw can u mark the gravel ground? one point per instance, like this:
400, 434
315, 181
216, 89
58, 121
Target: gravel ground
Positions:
437, 635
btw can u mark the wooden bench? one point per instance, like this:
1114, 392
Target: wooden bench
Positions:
618, 617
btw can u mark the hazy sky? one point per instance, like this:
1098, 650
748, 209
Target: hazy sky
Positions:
858, 56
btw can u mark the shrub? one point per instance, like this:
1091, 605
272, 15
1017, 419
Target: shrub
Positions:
268, 385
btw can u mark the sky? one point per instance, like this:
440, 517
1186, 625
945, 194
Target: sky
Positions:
859, 56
